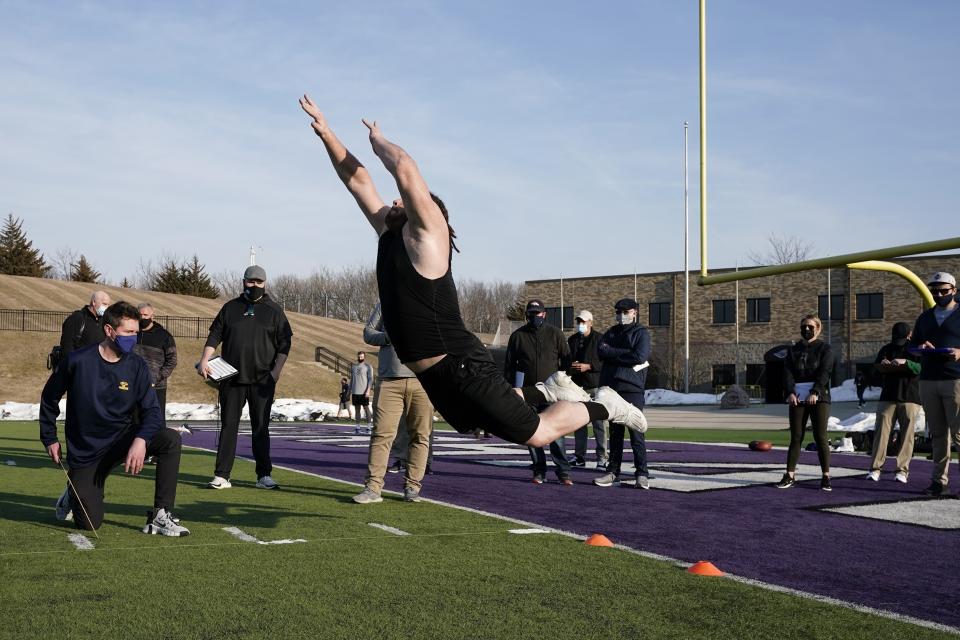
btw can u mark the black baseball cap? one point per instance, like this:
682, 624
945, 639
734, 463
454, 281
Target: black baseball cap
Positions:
535, 306
624, 304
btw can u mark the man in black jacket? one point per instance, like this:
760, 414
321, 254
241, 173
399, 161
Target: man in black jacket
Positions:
585, 371
899, 401
82, 327
537, 350
256, 340
624, 350
937, 333
157, 346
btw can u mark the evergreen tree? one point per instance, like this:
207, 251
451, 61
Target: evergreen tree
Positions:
125, 284
167, 278
83, 271
189, 278
17, 255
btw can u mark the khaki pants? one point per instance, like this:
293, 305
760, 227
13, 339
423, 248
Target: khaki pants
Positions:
941, 404
396, 399
904, 414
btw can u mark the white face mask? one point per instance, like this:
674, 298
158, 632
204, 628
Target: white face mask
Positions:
101, 309
582, 327
624, 318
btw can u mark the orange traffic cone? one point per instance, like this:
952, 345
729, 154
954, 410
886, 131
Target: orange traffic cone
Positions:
704, 568
598, 540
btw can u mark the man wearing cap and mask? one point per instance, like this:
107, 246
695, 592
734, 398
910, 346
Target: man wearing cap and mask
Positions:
624, 350
899, 401
535, 352
256, 340
937, 334
585, 371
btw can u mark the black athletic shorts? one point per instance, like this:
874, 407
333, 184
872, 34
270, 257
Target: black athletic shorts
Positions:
361, 400
470, 392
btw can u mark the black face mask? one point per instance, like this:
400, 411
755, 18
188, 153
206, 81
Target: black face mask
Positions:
806, 333
253, 293
144, 323
536, 321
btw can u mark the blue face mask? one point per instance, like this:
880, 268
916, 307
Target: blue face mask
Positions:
125, 343
581, 328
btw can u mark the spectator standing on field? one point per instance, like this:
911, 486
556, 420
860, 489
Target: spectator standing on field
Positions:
899, 402
361, 388
256, 338
157, 346
937, 332
344, 397
83, 326
585, 371
860, 382
538, 350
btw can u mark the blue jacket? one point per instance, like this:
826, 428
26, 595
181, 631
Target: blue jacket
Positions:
621, 348
101, 400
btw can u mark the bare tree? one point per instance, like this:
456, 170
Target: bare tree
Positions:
783, 250
63, 261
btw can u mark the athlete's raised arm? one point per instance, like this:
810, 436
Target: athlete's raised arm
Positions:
350, 170
423, 214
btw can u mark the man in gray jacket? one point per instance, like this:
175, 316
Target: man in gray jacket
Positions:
399, 398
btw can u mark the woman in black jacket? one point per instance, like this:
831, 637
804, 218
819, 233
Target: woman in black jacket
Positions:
807, 374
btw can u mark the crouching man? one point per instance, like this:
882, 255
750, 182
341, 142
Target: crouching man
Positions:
113, 417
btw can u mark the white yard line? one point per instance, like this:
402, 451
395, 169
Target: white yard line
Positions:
81, 542
388, 529
240, 534
527, 531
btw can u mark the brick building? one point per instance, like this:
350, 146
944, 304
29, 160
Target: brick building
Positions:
728, 340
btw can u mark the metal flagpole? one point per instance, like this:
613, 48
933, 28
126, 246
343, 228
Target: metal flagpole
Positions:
686, 264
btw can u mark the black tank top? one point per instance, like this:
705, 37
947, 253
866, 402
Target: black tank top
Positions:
421, 316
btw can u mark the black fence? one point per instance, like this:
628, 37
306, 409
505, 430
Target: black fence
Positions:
332, 360
52, 321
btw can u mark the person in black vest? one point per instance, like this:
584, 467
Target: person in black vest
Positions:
157, 346
82, 327
899, 401
256, 339
807, 373
585, 371
538, 350
421, 311
624, 350
112, 418
937, 334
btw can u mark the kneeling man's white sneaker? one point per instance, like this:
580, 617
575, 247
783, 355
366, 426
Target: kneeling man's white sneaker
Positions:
620, 410
561, 386
163, 523
219, 483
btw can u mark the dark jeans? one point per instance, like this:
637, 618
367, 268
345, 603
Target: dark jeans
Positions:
818, 415
232, 398
558, 454
162, 399
638, 442
90, 480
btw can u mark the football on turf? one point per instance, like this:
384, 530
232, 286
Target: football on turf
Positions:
761, 445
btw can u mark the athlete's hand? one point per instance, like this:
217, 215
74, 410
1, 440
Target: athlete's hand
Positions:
135, 456
372, 126
319, 123
53, 451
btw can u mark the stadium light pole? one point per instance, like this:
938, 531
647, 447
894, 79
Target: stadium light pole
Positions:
686, 262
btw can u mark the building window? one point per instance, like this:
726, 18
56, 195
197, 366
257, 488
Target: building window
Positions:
553, 317
838, 307
724, 311
758, 309
869, 306
756, 375
724, 375
659, 314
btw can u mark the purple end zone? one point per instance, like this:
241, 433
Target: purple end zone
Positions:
777, 536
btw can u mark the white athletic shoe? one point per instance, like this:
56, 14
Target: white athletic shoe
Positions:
874, 475
367, 496
162, 523
266, 482
901, 477
64, 510
560, 386
621, 411
219, 483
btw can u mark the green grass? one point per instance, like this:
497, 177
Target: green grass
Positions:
460, 575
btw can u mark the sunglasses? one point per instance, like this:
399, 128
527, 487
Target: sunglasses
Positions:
941, 292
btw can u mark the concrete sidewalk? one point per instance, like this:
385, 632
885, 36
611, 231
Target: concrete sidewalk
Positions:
758, 416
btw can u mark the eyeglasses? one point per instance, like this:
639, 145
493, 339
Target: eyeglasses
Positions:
941, 292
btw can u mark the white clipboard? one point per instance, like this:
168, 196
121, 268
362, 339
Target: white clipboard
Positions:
220, 369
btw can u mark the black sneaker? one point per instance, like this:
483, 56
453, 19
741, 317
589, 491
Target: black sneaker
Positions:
786, 482
396, 467
825, 484
935, 489
578, 462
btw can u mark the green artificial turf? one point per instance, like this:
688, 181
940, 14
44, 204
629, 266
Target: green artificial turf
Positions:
459, 575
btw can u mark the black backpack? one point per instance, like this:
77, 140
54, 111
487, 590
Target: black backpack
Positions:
56, 355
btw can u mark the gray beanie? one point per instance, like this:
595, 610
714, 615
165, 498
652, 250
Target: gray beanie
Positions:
255, 272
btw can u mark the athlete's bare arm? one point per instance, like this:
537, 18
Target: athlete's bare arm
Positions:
426, 232
353, 174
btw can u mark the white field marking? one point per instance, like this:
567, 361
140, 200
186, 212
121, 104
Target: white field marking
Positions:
81, 542
890, 615
938, 514
526, 531
388, 529
246, 537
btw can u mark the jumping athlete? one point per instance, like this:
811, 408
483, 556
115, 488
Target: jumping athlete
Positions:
421, 312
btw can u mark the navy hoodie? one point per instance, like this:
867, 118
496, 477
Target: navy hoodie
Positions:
101, 400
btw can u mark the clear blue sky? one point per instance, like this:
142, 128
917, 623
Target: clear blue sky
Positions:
554, 130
